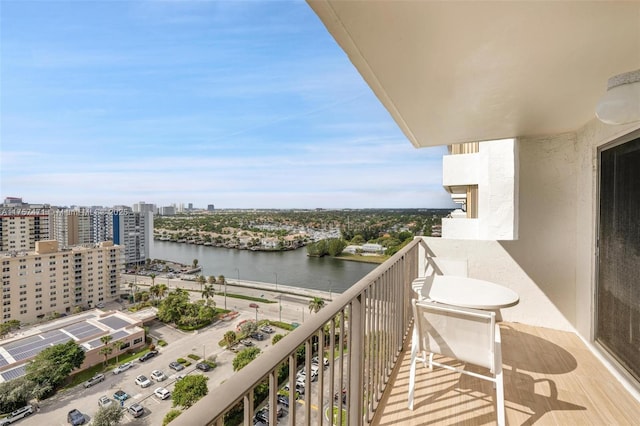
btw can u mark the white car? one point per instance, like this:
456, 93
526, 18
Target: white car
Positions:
143, 381
105, 401
158, 375
122, 367
162, 393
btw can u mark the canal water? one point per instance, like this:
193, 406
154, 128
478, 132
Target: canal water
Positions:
291, 268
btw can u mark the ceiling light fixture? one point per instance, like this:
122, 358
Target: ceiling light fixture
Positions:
621, 103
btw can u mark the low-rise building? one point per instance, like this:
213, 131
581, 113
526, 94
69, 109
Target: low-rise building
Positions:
86, 329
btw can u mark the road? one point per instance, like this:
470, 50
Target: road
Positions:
203, 343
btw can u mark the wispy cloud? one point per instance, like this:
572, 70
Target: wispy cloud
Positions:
239, 104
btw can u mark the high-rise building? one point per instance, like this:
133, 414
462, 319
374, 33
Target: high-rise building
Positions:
190, 206
47, 280
22, 224
143, 207
71, 227
132, 230
210, 207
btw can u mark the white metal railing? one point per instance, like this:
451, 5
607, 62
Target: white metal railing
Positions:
362, 332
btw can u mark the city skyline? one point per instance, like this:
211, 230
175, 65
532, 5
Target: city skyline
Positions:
237, 104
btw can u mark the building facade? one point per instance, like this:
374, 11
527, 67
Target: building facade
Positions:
48, 281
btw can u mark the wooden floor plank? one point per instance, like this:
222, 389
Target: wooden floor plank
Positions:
550, 378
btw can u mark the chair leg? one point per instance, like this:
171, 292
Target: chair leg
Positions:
412, 370
500, 398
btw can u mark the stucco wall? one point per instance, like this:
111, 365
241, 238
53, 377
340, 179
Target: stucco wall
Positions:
552, 264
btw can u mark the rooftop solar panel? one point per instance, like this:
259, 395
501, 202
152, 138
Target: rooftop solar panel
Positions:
18, 343
114, 322
82, 330
3, 361
14, 373
30, 349
119, 334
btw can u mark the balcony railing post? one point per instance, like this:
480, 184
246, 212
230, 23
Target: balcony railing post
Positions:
356, 355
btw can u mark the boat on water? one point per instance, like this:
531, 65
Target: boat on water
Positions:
192, 270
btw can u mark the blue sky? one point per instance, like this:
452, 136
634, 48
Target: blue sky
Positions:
239, 104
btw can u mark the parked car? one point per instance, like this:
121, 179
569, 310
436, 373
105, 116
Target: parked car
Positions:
175, 365
315, 360
122, 367
258, 336
75, 417
203, 366
162, 393
158, 375
16, 415
336, 397
267, 329
142, 381
136, 410
104, 401
179, 377
246, 342
100, 305
94, 380
299, 388
284, 400
148, 356
120, 395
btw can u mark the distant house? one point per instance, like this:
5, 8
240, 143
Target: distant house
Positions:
372, 248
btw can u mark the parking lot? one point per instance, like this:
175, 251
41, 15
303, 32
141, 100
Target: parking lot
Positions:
203, 343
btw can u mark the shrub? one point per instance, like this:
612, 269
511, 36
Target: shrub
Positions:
181, 360
194, 357
170, 416
162, 343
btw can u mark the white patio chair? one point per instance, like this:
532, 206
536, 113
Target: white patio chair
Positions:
468, 335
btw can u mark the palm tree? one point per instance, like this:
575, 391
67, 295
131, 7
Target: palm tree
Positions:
153, 278
162, 290
201, 280
221, 281
208, 292
106, 350
316, 304
116, 347
230, 337
211, 279
195, 263
154, 290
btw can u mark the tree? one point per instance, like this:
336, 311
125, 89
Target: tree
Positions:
276, 338
174, 306
109, 416
53, 365
195, 263
316, 304
189, 390
221, 281
248, 327
244, 357
201, 280
335, 246
230, 337
8, 327
106, 350
16, 393
211, 280
208, 292
153, 279
162, 290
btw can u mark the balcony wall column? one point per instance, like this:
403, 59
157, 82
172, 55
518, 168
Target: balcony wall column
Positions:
355, 363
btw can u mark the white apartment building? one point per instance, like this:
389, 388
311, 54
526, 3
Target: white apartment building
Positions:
71, 227
143, 207
47, 280
22, 226
124, 227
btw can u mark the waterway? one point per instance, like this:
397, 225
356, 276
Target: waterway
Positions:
293, 268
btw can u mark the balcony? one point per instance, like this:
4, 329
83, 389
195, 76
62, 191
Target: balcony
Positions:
551, 376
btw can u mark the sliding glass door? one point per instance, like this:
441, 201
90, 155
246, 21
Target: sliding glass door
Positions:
618, 281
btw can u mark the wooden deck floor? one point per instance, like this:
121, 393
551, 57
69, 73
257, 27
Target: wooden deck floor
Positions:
550, 378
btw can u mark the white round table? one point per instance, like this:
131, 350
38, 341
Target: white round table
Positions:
468, 292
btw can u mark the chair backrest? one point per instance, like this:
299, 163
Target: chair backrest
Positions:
461, 333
